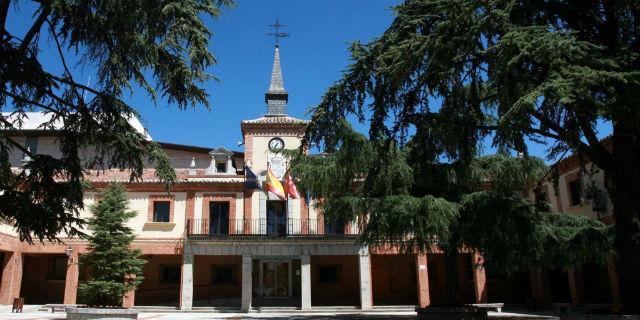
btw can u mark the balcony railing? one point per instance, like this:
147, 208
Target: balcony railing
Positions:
205, 228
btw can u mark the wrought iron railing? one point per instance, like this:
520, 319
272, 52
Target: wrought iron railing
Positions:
263, 227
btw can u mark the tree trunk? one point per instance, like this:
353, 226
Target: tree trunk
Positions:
624, 189
453, 287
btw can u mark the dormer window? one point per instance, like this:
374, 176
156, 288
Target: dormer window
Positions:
221, 167
31, 143
221, 161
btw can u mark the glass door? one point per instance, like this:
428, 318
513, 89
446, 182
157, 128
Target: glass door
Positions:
275, 279
276, 218
218, 217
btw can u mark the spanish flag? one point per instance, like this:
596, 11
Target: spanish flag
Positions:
273, 184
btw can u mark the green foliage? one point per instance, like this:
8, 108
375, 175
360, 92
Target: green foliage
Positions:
445, 77
114, 268
571, 240
159, 46
506, 228
409, 222
417, 204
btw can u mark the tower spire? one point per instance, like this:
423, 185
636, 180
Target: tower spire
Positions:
276, 97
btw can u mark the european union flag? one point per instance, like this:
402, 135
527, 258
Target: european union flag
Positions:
251, 180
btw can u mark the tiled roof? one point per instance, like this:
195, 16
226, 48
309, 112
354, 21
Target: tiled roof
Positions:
149, 176
277, 120
197, 149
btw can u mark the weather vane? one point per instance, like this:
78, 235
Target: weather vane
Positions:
277, 34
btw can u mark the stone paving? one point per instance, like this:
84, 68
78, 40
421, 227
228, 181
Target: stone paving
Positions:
31, 313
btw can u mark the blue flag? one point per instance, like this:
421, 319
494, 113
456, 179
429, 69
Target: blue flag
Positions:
251, 180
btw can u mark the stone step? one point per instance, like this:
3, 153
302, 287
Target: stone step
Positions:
275, 309
399, 308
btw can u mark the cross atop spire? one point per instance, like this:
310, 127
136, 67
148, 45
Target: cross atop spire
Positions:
277, 34
276, 97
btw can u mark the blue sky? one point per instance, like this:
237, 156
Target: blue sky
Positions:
312, 58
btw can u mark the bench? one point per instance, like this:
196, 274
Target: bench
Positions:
59, 307
489, 306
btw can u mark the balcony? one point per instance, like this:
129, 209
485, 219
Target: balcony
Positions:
202, 229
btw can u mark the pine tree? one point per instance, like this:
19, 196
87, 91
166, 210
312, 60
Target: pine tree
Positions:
453, 74
114, 268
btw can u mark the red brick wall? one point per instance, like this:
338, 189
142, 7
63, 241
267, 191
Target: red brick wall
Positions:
71, 278
204, 290
152, 290
11, 269
394, 279
422, 275
344, 293
36, 288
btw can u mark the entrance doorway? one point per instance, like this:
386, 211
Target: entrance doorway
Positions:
275, 279
276, 282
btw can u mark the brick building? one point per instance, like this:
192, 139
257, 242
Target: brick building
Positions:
213, 243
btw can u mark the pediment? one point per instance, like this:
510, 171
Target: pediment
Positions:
221, 151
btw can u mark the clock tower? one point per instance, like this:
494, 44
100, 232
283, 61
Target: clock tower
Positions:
266, 136
263, 139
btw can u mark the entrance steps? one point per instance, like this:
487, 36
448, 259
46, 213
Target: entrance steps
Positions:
399, 308
194, 309
279, 309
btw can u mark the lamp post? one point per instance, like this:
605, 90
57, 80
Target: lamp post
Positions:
69, 251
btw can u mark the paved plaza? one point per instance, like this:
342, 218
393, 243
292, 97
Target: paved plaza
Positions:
31, 313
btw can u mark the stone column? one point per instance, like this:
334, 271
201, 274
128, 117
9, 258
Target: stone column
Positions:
305, 282
11, 277
71, 280
479, 277
247, 286
366, 298
422, 275
186, 287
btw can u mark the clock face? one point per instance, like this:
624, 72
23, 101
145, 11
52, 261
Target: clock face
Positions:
276, 144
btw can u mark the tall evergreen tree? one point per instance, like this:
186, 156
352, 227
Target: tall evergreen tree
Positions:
402, 197
450, 74
114, 268
160, 46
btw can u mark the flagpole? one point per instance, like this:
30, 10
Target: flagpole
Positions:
286, 194
244, 202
